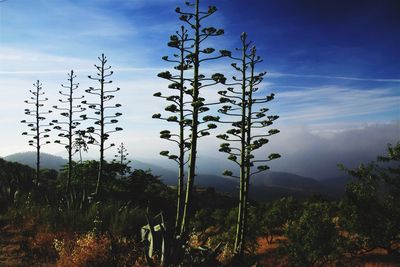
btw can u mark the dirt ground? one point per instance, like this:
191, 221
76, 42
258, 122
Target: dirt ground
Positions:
268, 256
14, 252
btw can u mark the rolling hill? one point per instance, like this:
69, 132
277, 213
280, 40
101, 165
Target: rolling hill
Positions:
48, 161
264, 186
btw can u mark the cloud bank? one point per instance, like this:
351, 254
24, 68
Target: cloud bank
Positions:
316, 153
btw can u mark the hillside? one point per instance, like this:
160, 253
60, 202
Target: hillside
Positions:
48, 161
286, 180
264, 187
268, 186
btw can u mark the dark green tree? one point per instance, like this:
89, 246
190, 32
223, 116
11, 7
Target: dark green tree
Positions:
68, 127
370, 209
245, 137
38, 127
278, 214
15, 179
99, 134
313, 239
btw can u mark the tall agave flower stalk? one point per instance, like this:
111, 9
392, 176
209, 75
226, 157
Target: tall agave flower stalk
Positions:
99, 134
122, 159
38, 128
68, 127
197, 54
245, 137
188, 108
180, 112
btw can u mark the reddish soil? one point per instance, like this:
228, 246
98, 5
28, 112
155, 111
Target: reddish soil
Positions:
267, 253
268, 256
12, 244
15, 248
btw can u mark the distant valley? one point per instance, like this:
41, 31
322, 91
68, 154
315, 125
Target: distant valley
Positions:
264, 187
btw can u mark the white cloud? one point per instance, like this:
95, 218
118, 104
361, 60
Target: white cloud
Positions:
30, 61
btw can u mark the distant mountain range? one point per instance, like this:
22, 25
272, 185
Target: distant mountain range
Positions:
264, 186
47, 161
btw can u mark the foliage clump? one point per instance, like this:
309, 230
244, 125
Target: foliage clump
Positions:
314, 239
370, 209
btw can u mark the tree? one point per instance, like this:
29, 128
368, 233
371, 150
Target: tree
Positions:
178, 107
241, 104
37, 125
313, 239
68, 128
370, 209
187, 106
99, 134
278, 214
80, 143
15, 179
122, 159
197, 55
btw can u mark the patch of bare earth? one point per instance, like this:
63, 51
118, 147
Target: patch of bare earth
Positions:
268, 255
12, 247
267, 252
15, 248
377, 258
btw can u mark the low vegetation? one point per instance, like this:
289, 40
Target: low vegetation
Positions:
315, 232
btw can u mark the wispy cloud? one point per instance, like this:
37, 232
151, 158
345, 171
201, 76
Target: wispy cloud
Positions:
22, 61
87, 70
281, 74
25, 61
335, 103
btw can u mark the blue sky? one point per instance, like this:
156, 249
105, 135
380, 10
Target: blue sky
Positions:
334, 65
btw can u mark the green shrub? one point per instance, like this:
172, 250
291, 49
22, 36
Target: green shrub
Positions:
370, 209
313, 239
